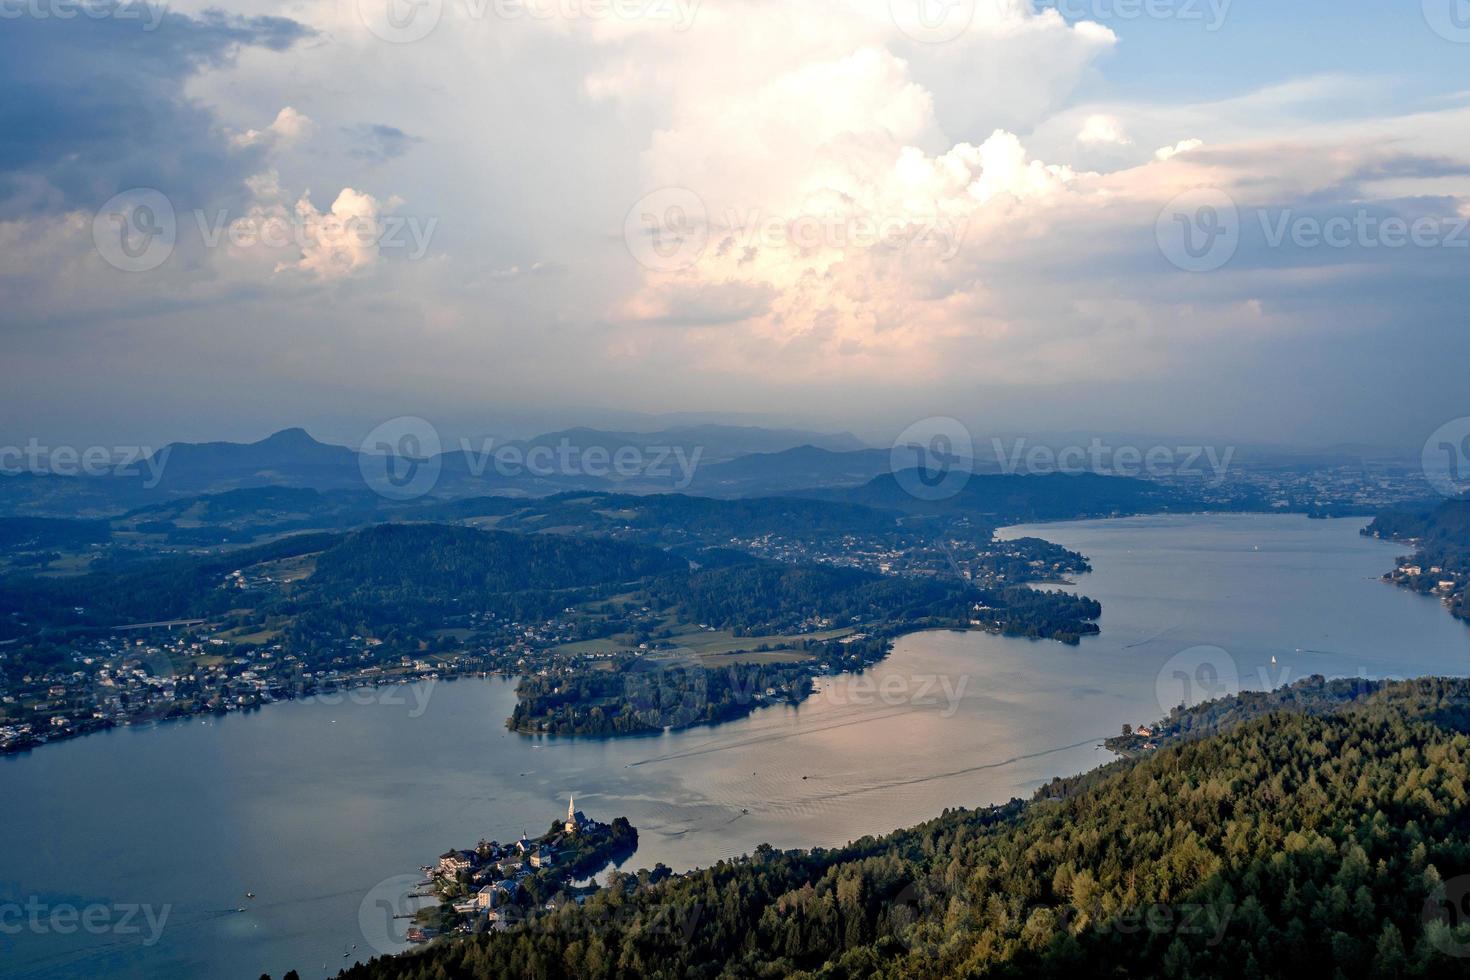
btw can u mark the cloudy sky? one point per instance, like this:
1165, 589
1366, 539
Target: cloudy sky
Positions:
1239, 219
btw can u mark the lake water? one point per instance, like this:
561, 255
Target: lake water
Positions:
321, 808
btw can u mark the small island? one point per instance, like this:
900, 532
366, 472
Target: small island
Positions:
494, 885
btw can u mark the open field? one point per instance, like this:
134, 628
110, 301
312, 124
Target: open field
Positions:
712, 646
257, 638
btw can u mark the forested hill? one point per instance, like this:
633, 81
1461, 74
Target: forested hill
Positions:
386, 564
1002, 499
443, 563
1295, 844
1441, 563
1444, 528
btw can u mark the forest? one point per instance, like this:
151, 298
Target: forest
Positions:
1309, 835
1441, 537
642, 695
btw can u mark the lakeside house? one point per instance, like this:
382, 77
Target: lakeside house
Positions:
496, 895
451, 863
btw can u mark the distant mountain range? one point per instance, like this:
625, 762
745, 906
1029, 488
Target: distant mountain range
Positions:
289, 457
716, 459
702, 460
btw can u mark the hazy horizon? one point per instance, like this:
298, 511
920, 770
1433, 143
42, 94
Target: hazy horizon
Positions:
848, 215
457, 433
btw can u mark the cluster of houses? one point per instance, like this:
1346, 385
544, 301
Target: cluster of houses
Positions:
1144, 738
1439, 580
117, 680
488, 880
15, 735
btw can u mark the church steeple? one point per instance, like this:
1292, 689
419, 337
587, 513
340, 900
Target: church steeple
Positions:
574, 819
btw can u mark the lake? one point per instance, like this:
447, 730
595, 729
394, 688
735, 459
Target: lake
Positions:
322, 807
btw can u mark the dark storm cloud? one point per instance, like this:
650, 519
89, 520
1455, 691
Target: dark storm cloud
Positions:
94, 102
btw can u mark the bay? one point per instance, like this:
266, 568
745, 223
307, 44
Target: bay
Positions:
322, 807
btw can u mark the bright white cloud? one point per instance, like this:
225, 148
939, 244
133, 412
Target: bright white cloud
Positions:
341, 241
288, 128
1103, 129
870, 208
1183, 146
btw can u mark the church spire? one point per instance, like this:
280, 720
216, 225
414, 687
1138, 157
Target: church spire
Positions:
571, 810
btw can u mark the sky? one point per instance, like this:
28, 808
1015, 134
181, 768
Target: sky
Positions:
1210, 218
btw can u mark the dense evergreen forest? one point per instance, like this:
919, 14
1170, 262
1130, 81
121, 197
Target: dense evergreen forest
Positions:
445, 565
1308, 833
768, 597
640, 695
413, 575
386, 565
49, 532
1444, 528
161, 588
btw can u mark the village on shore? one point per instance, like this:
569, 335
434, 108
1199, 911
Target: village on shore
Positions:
496, 885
